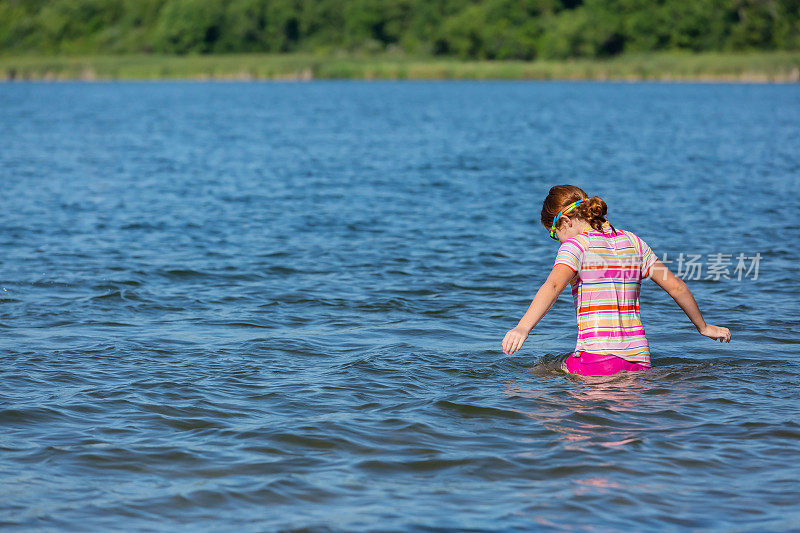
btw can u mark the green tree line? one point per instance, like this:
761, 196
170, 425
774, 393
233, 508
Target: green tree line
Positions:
470, 29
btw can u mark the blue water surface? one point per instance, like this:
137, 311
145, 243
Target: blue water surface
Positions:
279, 306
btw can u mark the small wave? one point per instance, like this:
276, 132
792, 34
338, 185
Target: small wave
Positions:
119, 294
110, 323
242, 325
478, 411
183, 273
29, 415
149, 226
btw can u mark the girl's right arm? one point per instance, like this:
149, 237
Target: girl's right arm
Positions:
676, 288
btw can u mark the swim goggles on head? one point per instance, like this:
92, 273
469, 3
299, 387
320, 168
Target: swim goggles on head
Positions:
555, 220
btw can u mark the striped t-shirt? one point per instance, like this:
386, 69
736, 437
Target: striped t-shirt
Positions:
610, 269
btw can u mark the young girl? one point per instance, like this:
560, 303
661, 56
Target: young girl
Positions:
605, 266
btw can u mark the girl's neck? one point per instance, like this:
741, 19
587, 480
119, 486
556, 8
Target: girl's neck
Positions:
582, 226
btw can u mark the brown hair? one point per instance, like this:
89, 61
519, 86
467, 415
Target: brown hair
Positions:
593, 210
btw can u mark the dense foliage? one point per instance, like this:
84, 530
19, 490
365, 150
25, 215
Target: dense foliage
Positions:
479, 29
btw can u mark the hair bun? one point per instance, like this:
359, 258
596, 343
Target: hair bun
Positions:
594, 211
597, 207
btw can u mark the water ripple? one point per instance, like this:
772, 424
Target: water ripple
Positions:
279, 307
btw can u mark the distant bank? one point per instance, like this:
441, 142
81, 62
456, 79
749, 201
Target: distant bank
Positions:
757, 67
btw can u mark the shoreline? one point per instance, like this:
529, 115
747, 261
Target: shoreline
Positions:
753, 68
698, 81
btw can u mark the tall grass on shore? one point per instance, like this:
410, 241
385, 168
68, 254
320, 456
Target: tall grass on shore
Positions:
752, 67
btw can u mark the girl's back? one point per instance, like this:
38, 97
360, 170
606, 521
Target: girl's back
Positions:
609, 271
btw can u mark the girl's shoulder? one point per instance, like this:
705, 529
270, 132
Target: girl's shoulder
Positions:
634, 240
621, 232
616, 238
580, 241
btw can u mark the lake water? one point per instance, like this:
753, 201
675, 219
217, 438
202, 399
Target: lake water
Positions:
279, 306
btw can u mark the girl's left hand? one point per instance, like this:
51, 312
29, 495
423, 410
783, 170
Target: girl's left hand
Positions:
514, 339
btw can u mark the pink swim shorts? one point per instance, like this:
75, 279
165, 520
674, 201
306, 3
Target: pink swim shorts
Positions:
595, 364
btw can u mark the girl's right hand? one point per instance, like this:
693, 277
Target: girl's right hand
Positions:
514, 339
716, 332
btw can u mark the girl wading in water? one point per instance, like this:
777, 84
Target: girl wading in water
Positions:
605, 266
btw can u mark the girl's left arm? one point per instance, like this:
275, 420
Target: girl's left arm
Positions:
545, 297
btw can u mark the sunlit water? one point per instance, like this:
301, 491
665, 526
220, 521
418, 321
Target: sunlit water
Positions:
279, 306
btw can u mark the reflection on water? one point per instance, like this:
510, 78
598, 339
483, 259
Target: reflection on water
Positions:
608, 411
